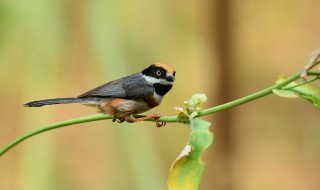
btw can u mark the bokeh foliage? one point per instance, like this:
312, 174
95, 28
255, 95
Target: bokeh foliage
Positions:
63, 48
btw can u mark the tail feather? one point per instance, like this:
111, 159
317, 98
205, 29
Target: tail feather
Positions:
40, 103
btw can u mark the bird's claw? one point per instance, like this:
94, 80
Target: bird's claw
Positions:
118, 119
132, 119
159, 124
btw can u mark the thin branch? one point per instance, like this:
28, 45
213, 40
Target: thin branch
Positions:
250, 97
51, 127
303, 83
162, 119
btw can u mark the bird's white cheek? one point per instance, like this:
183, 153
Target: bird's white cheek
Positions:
152, 80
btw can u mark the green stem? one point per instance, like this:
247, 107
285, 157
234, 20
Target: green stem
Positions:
302, 83
162, 119
53, 126
313, 73
249, 98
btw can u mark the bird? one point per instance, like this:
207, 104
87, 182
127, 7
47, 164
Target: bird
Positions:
126, 97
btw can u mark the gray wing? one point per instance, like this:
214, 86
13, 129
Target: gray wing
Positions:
130, 87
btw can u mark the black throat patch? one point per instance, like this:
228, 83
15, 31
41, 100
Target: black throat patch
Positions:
162, 89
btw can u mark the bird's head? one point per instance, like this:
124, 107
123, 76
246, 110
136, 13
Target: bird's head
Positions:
159, 73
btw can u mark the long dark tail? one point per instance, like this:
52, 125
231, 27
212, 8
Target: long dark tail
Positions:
61, 101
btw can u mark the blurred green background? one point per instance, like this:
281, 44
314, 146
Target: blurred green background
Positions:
225, 49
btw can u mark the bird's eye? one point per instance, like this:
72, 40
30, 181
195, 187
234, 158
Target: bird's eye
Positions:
158, 73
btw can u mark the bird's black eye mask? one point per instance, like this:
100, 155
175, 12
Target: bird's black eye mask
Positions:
154, 71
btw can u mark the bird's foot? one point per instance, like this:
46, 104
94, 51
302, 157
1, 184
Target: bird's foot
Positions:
118, 119
153, 116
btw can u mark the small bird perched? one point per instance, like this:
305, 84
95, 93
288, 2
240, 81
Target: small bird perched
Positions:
125, 97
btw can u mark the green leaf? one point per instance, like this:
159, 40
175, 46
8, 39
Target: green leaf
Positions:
285, 93
187, 169
310, 93
302, 90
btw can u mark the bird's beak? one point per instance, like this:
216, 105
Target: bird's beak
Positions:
170, 78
